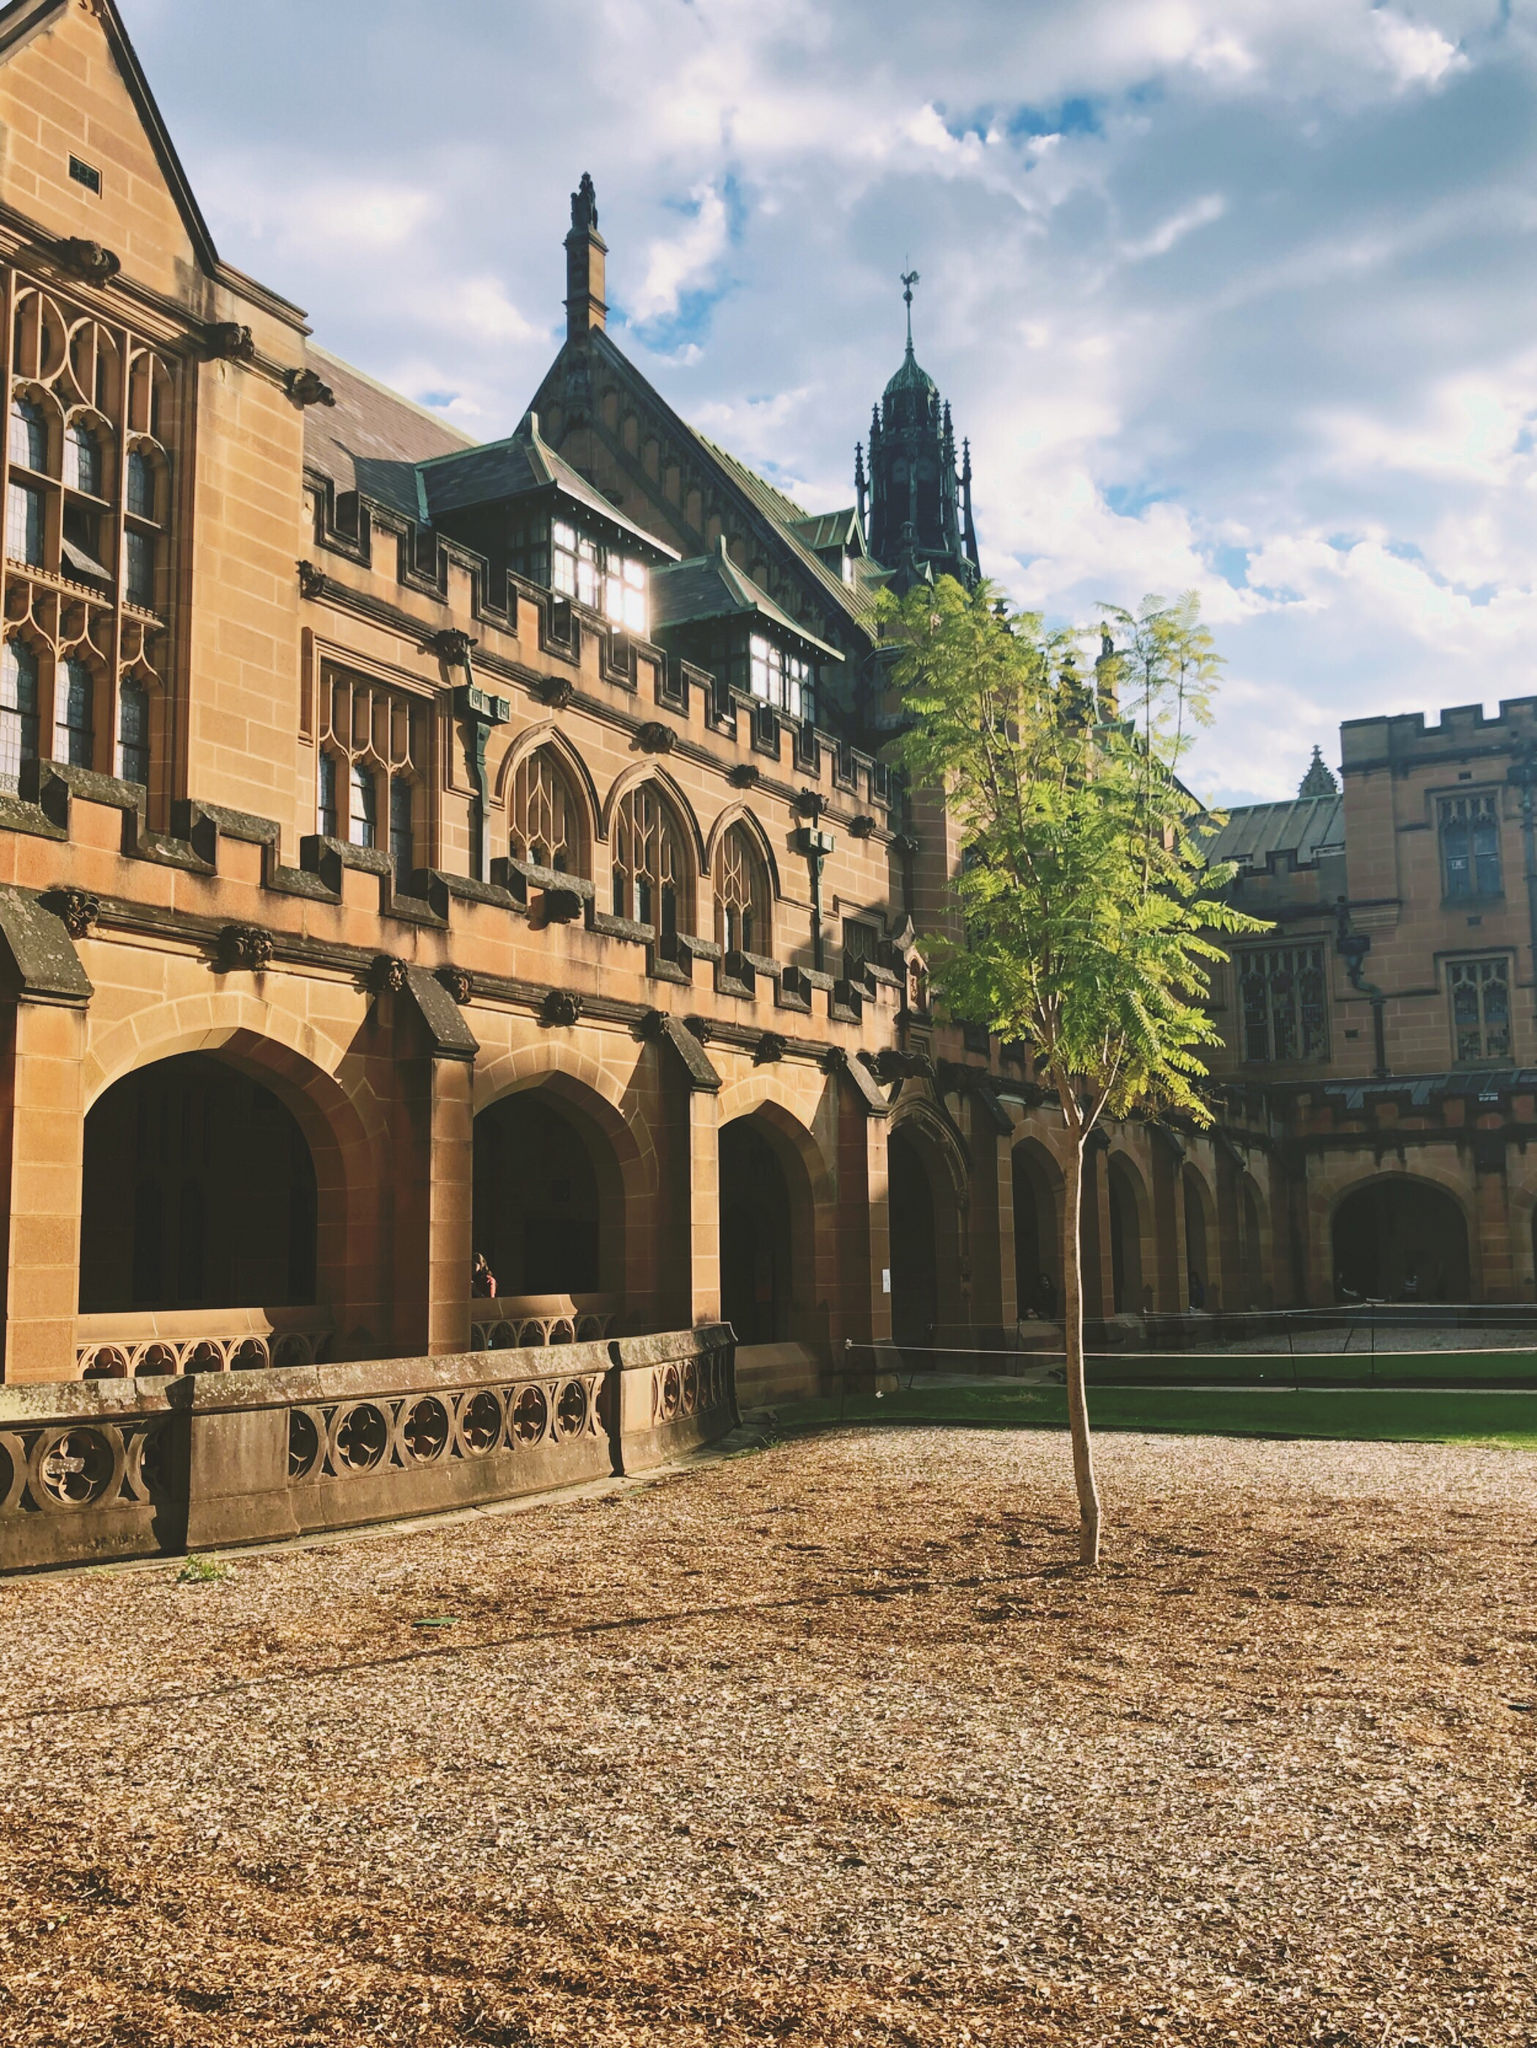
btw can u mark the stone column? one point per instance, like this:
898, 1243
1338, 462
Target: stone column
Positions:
42, 1130
42, 1144
433, 1156
703, 1113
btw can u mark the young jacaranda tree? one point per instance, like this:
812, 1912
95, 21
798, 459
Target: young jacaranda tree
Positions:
1089, 916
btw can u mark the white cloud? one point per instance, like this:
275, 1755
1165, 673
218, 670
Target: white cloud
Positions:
1232, 294
675, 263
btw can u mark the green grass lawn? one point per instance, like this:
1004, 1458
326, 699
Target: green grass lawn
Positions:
1399, 1415
1348, 1368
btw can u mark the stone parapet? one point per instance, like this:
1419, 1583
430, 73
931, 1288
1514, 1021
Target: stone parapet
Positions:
105, 1470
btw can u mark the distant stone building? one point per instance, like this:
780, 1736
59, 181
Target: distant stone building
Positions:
414, 849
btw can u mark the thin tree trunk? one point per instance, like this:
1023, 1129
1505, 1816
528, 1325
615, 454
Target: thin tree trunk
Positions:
1072, 1337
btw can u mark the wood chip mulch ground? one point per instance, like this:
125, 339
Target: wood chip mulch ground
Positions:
826, 1744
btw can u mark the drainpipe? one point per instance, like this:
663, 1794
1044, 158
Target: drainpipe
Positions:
1354, 947
816, 845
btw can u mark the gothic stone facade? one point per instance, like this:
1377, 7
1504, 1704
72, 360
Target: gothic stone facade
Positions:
411, 850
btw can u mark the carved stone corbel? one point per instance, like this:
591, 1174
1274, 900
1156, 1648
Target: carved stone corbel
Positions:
89, 260
305, 387
248, 946
459, 984
560, 1007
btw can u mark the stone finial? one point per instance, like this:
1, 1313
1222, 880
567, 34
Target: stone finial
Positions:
1319, 780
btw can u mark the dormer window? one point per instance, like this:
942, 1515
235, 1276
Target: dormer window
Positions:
780, 679
599, 577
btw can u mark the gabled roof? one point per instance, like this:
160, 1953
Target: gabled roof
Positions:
831, 530
372, 439
782, 512
522, 463
788, 516
23, 19
713, 587
1305, 828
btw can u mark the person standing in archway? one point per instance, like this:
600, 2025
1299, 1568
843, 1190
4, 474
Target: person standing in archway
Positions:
482, 1280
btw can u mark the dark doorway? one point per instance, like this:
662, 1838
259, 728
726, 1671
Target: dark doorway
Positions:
198, 1192
755, 1276
1198, 1273
1037, 1240
1401, 1240
547, 1201
1125, 1242
914, 1262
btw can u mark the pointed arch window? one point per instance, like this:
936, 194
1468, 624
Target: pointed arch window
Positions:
546, 825
82, 459
649, 865
363, 819
741, 895
374, 768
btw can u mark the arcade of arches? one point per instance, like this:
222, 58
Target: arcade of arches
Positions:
215, 1182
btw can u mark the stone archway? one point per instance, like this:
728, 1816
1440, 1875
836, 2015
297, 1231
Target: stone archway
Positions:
199, 1190
756, 1235
1037, 1231
1126, 1234
549, 1197
1200, 1241
1398, 1238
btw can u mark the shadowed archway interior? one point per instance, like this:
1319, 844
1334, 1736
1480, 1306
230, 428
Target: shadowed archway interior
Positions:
1398, 1239
1125, 1242
549, 1206
1037, 1238
914, 1261
198, 1192
755, 1250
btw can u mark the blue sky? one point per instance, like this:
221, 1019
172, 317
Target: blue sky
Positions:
1232, 294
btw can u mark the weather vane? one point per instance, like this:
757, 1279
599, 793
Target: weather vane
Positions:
909, 279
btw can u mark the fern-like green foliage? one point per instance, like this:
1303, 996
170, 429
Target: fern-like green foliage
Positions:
1092, 919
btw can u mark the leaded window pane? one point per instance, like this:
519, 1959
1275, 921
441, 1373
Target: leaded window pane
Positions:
133, 734
140, 548
1470, 844
29, 434
18, 711
326, 796
741, 895
546, 828
362, 823
24, 525
648, 860
402, 836
141, 484
1284, 1004
82, 460
1480, 993
74, 693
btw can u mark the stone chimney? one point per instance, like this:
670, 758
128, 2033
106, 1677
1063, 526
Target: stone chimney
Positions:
585, 254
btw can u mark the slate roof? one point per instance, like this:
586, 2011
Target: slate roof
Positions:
523, 462
713, 587
1305, 827
830, 530
854, 599
372, 439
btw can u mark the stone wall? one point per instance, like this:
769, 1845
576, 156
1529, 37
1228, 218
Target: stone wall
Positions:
105, 1470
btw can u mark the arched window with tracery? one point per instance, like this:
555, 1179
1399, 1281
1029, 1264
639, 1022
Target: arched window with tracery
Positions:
741, 895
546, 824
649, 866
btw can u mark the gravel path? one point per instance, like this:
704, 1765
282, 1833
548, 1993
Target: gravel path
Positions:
823, 1745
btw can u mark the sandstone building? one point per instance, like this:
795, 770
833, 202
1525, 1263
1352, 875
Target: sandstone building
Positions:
414, 848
